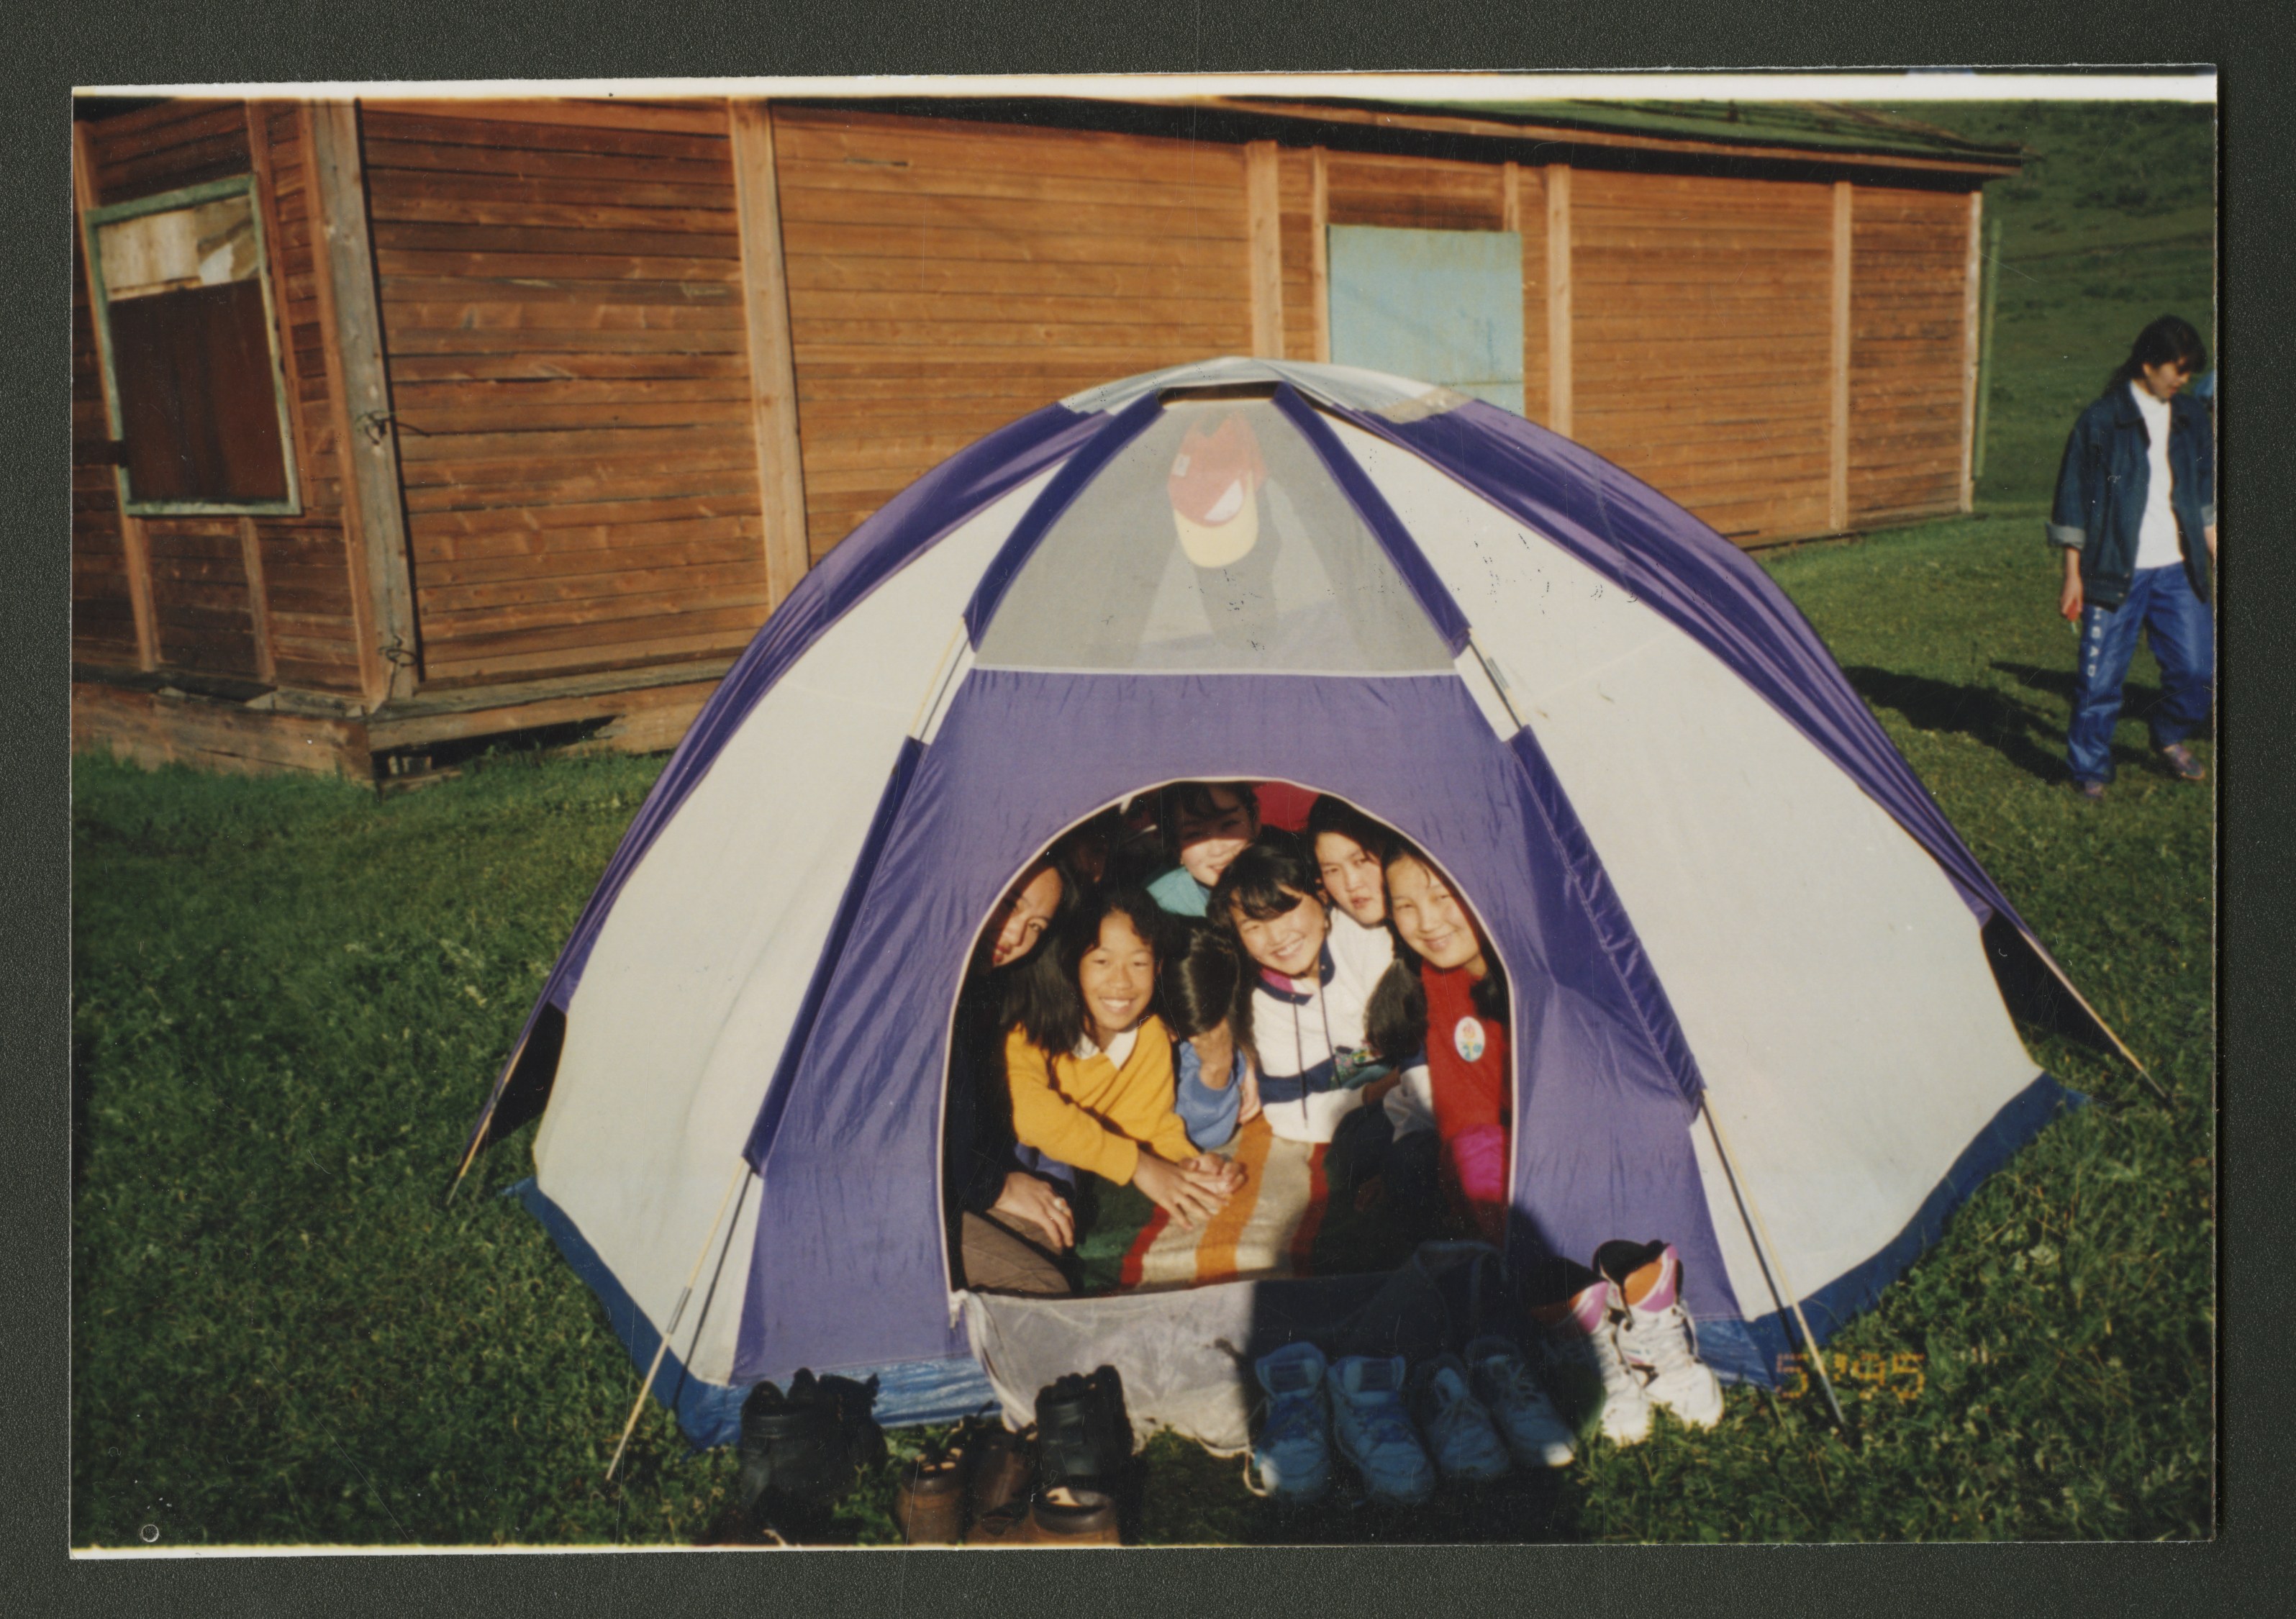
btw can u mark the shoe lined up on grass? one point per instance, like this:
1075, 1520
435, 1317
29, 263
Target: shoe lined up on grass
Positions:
1004, 1464
929, 1503
1293, 1453
1526, 1417
1084, 1438
1458, 1432
800, 1451
1653, 1333
1373, 1430
1583, 1346
1060, 1482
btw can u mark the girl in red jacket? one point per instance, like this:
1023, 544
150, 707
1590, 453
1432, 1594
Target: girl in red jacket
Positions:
1467, 1067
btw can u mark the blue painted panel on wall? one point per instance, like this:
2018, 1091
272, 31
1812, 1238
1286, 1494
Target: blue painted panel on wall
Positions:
1442, 305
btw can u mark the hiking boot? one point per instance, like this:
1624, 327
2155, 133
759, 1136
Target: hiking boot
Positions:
1084, 1439
1466, 1446
2181, 763
1519, 1409
928, 1502
794, 1458
1293, 1452
1113, 1428
1583, 1348
1056, 1517
1073, 1517
1373, 1431
1654, 1333
1004, 1466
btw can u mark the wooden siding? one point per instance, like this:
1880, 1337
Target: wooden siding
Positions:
306, 560
167, 146
203, 616
564, 333
1908, 303
1415, 194
945, 278
1296, 228
1530, 219
1701, 338
104, 612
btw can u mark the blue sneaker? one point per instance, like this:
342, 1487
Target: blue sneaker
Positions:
1468, 1450
1293, 1452
1519, 1409
1373, 1430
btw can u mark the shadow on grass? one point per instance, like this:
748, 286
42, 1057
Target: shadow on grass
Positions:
2137, 700
2029, 736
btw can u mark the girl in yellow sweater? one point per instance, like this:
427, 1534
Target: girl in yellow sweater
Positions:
1091, 1066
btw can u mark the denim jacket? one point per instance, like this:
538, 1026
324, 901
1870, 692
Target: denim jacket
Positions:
2102, 483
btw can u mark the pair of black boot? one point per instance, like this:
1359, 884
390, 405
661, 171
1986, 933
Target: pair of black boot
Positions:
802, 1450
1084, 1436
1079, 1453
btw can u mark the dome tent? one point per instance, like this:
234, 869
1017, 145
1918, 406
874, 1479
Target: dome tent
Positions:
1753, 969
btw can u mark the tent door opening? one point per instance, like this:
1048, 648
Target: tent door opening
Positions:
1299, 1216
1442, 305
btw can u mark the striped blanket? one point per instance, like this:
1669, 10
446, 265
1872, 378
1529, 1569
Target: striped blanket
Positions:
1280, 1224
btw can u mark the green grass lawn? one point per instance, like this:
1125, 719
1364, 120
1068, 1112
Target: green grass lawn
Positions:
290, 999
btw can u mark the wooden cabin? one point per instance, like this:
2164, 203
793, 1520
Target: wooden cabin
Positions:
400, 427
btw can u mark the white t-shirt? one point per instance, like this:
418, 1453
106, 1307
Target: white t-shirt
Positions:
2156, 541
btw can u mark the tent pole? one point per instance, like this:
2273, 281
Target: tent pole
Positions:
740, 1171
2081, 1001
1760, 1231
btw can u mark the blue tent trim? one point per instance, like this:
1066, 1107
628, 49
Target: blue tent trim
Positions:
1066, 485
1426, 588
909, 1393
1756, 1350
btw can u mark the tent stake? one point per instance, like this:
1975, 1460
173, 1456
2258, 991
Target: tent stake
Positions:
1760, 1231
685, 1293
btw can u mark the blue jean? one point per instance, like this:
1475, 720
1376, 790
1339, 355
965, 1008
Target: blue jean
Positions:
2159, 602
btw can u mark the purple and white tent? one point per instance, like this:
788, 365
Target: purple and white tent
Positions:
1758, 981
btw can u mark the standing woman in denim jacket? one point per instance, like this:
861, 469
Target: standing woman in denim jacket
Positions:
2135, 513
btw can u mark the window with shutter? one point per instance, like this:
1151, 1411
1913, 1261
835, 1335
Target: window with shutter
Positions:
190, 341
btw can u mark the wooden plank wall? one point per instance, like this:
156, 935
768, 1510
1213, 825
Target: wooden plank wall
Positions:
1908, 312
167, 147
564, 331
103, 613
1690, 291
947, 277
305, 560
1297, 225
1531, 196
567, 349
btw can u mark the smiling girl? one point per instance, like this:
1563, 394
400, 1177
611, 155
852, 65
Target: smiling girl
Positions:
1090, 1067
1304, 1017
1466, 1036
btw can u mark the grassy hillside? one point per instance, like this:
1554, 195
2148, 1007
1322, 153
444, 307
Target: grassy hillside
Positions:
2112, 224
